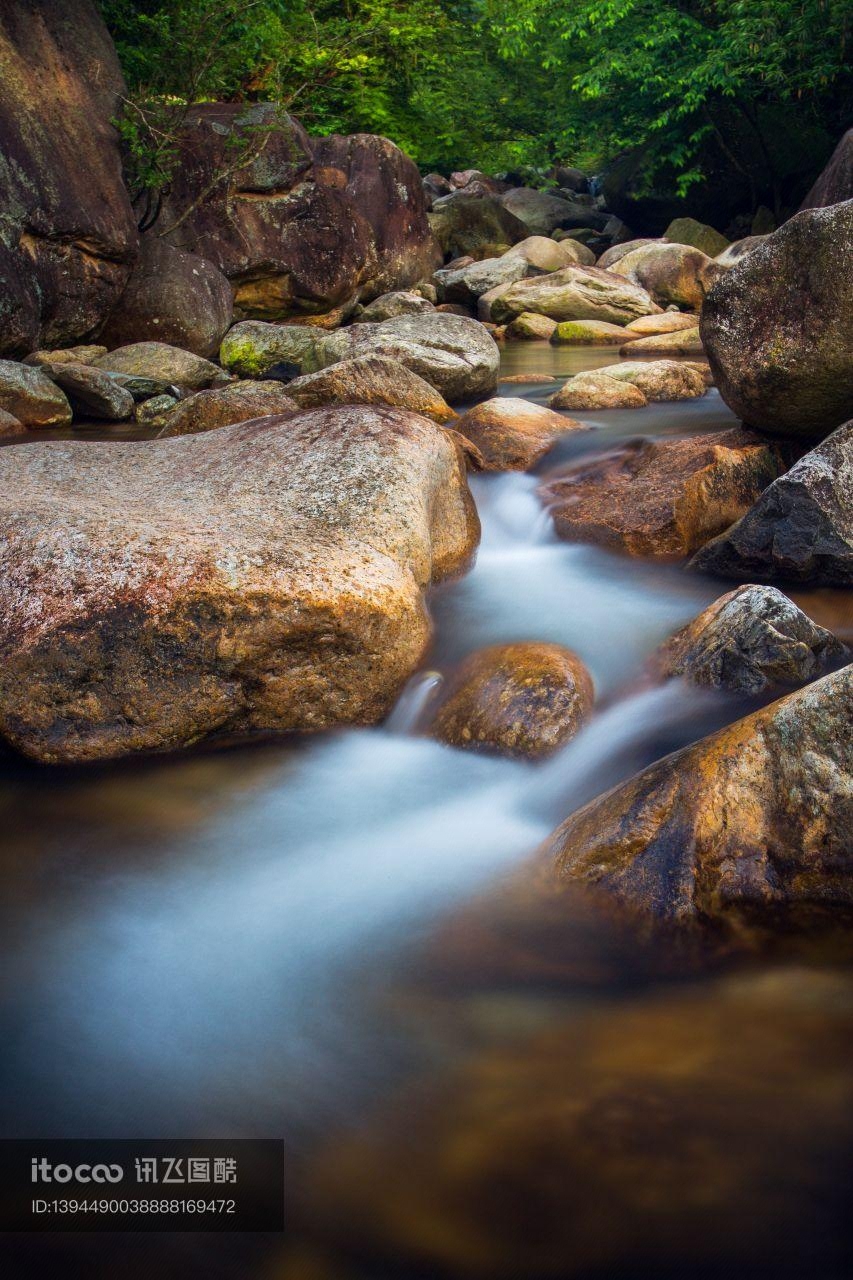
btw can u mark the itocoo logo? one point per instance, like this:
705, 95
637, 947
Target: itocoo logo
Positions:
44, 1171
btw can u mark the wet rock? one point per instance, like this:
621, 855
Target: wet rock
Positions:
575, 293
469, 283
523, 700
748, 828
265, 576
68, 233
589, 333
91, 393
30, 396
512, 434
776, 327
10, 426
531, 327
662, 498
659, 380
546, 254
155, 412
165, 363
800, 529
680, 342
666, 322
594, 390
671, 273
542, 213
172, 297
750, 640
68, 355
251, 348
696, 234
463, 224
222, 406
835, 183
370, 379
402, 303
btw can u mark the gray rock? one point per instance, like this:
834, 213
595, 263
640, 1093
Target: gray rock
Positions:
542, 213
29, 395
467, 284
164, 362
575, 293
91, 393
402, 303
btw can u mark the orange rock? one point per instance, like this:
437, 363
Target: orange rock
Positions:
512, 433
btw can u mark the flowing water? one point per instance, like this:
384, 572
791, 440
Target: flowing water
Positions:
257, 940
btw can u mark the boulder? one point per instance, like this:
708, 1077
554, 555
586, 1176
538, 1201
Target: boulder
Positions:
531, 327
67, 233
84, 354
680, 342
737, 250
30, 396
160, 361
800, 529
546, 254
748, 641
172, 297
155, 412
463, 224
671, 273
222, 406
594, 390
524, 700
436, 186
512, 434
252, 347
370, 379
661, 498
91, 393
401, 303
665, 322
10, 426
467, 284
749, 828
542, 213
659, 379
619, 251
776, 327
575, 293
835, 183
589, 333
698, 235
265, 576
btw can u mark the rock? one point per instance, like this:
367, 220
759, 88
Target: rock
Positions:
454, 354
265, 576
800, 529
748, 828
222, 406
696, 234
144, 388
402, 303
10, 426
542, 213
659, 379
589, 333
426, 289
619, 251
474, 180
671, 273
252, 347
835, 184
155, 412
662, 498
436, 186
370, 379
30, 396
748, 641
575, 293
549, 255
665, 322
91, 393
165, 363
172, 297
737, 250
776, 327
680, 342
467, 284
570, 178
524, 700
307, 224
68, 355
512, 434
68, 233
462, 224
594, 390
529, 378
532, 327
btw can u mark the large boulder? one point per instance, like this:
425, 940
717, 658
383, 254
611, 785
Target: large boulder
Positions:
748, 641
463, 224
659, 380
172, 297
661, 498
776, 327
673, 274
304, 224
800, 529
511, 434
266, 576
370, 379
835, 183
542, 213
222, 406
252, 347
574, 293
748, 828
163, 362
67, 232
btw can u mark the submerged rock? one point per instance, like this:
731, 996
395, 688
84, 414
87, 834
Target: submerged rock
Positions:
662, 498
222, 406
265, 576
29, 395
165, 363
370, 379
595, 390
749, 640
800, 529
777, 327
575, 293
523, 700
512, 434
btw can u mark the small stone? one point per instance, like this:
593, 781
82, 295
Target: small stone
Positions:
162, 361
512, 434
